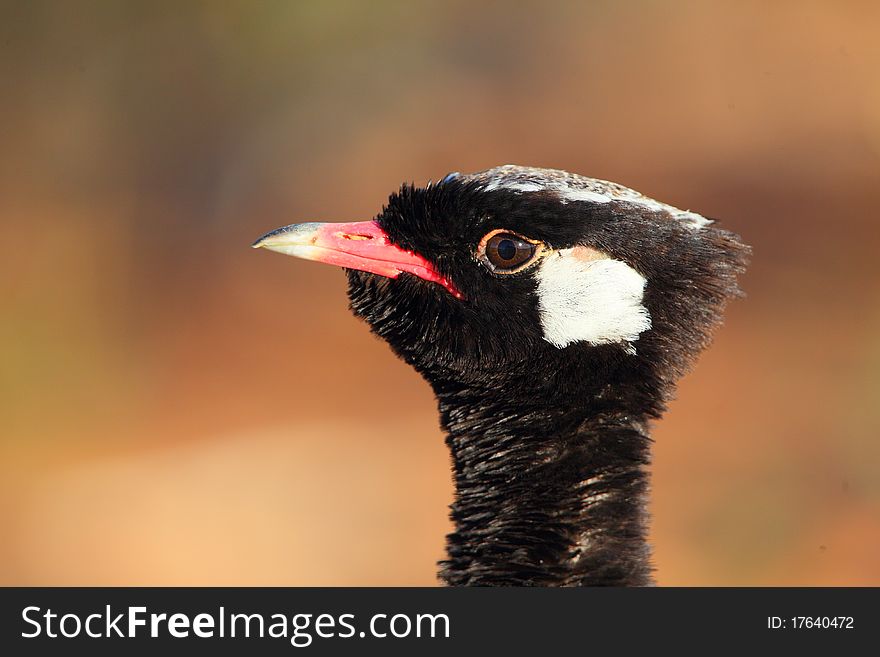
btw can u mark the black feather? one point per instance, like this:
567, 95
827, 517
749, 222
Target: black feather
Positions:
549, 446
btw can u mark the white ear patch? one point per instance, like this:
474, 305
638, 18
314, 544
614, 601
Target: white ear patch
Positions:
586, 296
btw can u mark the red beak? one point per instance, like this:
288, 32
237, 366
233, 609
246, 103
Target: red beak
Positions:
361, 245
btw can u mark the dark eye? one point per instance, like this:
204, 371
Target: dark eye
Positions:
504, 252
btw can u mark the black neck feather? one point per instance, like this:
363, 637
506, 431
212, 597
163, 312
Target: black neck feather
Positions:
549, 493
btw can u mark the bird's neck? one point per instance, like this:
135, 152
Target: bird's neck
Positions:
545, 495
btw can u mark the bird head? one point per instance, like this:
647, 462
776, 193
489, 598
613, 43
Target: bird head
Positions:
483, 277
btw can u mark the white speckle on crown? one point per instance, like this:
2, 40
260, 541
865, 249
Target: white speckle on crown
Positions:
573, 188
513, 186
586, 296
570, 194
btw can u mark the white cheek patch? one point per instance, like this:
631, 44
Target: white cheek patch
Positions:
586, 296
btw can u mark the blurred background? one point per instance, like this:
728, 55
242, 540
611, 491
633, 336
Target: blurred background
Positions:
176, 408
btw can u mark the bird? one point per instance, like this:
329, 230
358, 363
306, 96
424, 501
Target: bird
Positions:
552, 315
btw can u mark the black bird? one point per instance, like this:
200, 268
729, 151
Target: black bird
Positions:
551, 314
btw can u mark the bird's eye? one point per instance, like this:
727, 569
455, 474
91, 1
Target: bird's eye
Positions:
504, 252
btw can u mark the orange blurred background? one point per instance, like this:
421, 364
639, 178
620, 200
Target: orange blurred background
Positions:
176, 408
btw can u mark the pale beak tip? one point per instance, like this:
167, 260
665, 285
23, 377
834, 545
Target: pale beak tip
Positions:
284, 236
263, 241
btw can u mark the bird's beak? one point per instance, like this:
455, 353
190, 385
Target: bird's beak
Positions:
361, 245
